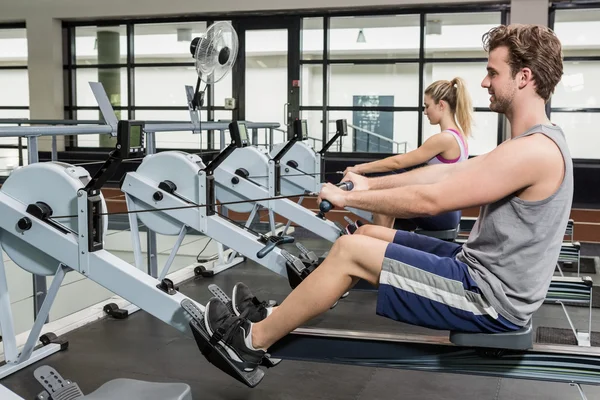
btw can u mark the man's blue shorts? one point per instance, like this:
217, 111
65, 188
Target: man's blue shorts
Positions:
423, 284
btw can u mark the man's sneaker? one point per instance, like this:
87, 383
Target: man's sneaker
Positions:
246, 305
230, 332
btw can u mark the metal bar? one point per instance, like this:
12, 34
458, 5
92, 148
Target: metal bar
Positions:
12, 131
578, 386
421, 78
188, 126
44, 312
135, 232
54, 156
7, 328
176, 246
151, 235
39, 282
26, 121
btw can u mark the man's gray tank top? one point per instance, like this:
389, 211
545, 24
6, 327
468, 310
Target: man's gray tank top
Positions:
514, 246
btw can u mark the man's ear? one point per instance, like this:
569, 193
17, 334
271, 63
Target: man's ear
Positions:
526, 76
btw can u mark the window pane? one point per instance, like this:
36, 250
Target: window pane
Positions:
94, 140
457, 35
312, 38
159, 43
395, 36
578, 32
579, 86
581, 132
174, 140
363, 126
472, 73
13, 47
14, 87
222, 90
164, 86
101, 45
266, 75
388, 85
311, 85
113, 80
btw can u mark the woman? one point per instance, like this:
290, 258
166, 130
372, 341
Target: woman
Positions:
447, 104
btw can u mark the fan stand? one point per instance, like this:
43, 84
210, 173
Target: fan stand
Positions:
198, 100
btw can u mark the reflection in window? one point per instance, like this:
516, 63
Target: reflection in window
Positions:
581, 131
457, 35
579, 86
393, 36
13, 47
311, 85
163, 86
170, 42
578, 32
312, 38
394, 84
101, 45
14, 87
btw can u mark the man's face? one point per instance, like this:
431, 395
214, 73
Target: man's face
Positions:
499, 81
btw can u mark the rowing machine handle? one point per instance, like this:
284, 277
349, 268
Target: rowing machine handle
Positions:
272, 243
326, 206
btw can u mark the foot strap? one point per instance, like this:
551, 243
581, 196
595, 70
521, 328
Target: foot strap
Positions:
213, 351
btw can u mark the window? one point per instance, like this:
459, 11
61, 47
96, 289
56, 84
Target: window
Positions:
144, 69
14, 96
575, 104
376, 66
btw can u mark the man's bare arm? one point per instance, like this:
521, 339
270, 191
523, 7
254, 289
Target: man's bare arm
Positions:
500, 173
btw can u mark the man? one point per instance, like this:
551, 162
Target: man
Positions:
494, 282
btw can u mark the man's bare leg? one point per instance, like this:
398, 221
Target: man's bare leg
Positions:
377, 232
386, 221
351, 258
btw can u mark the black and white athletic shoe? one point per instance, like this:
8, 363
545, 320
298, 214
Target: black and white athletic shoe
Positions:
231, 333
246, 305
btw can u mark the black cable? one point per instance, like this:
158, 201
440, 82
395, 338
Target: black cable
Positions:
194, 205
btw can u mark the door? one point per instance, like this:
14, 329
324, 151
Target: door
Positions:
267, 73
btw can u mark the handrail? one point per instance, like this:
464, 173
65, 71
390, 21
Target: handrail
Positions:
357, 128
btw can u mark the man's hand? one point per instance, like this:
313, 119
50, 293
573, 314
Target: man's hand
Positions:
360, 182
333, 194
353, 169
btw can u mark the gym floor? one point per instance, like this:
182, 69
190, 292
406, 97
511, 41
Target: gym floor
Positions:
142, 347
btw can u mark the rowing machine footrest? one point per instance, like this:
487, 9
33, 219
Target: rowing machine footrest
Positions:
521, 339
215, 354
297, 273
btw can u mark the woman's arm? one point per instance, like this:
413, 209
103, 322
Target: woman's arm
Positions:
432, 147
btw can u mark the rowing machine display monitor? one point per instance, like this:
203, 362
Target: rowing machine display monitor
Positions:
341, 129
130, 139
300, 129
239, 133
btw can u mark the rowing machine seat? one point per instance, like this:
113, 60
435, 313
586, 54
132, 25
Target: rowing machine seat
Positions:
521, 339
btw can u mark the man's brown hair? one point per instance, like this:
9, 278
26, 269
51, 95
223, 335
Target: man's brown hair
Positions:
530, 46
